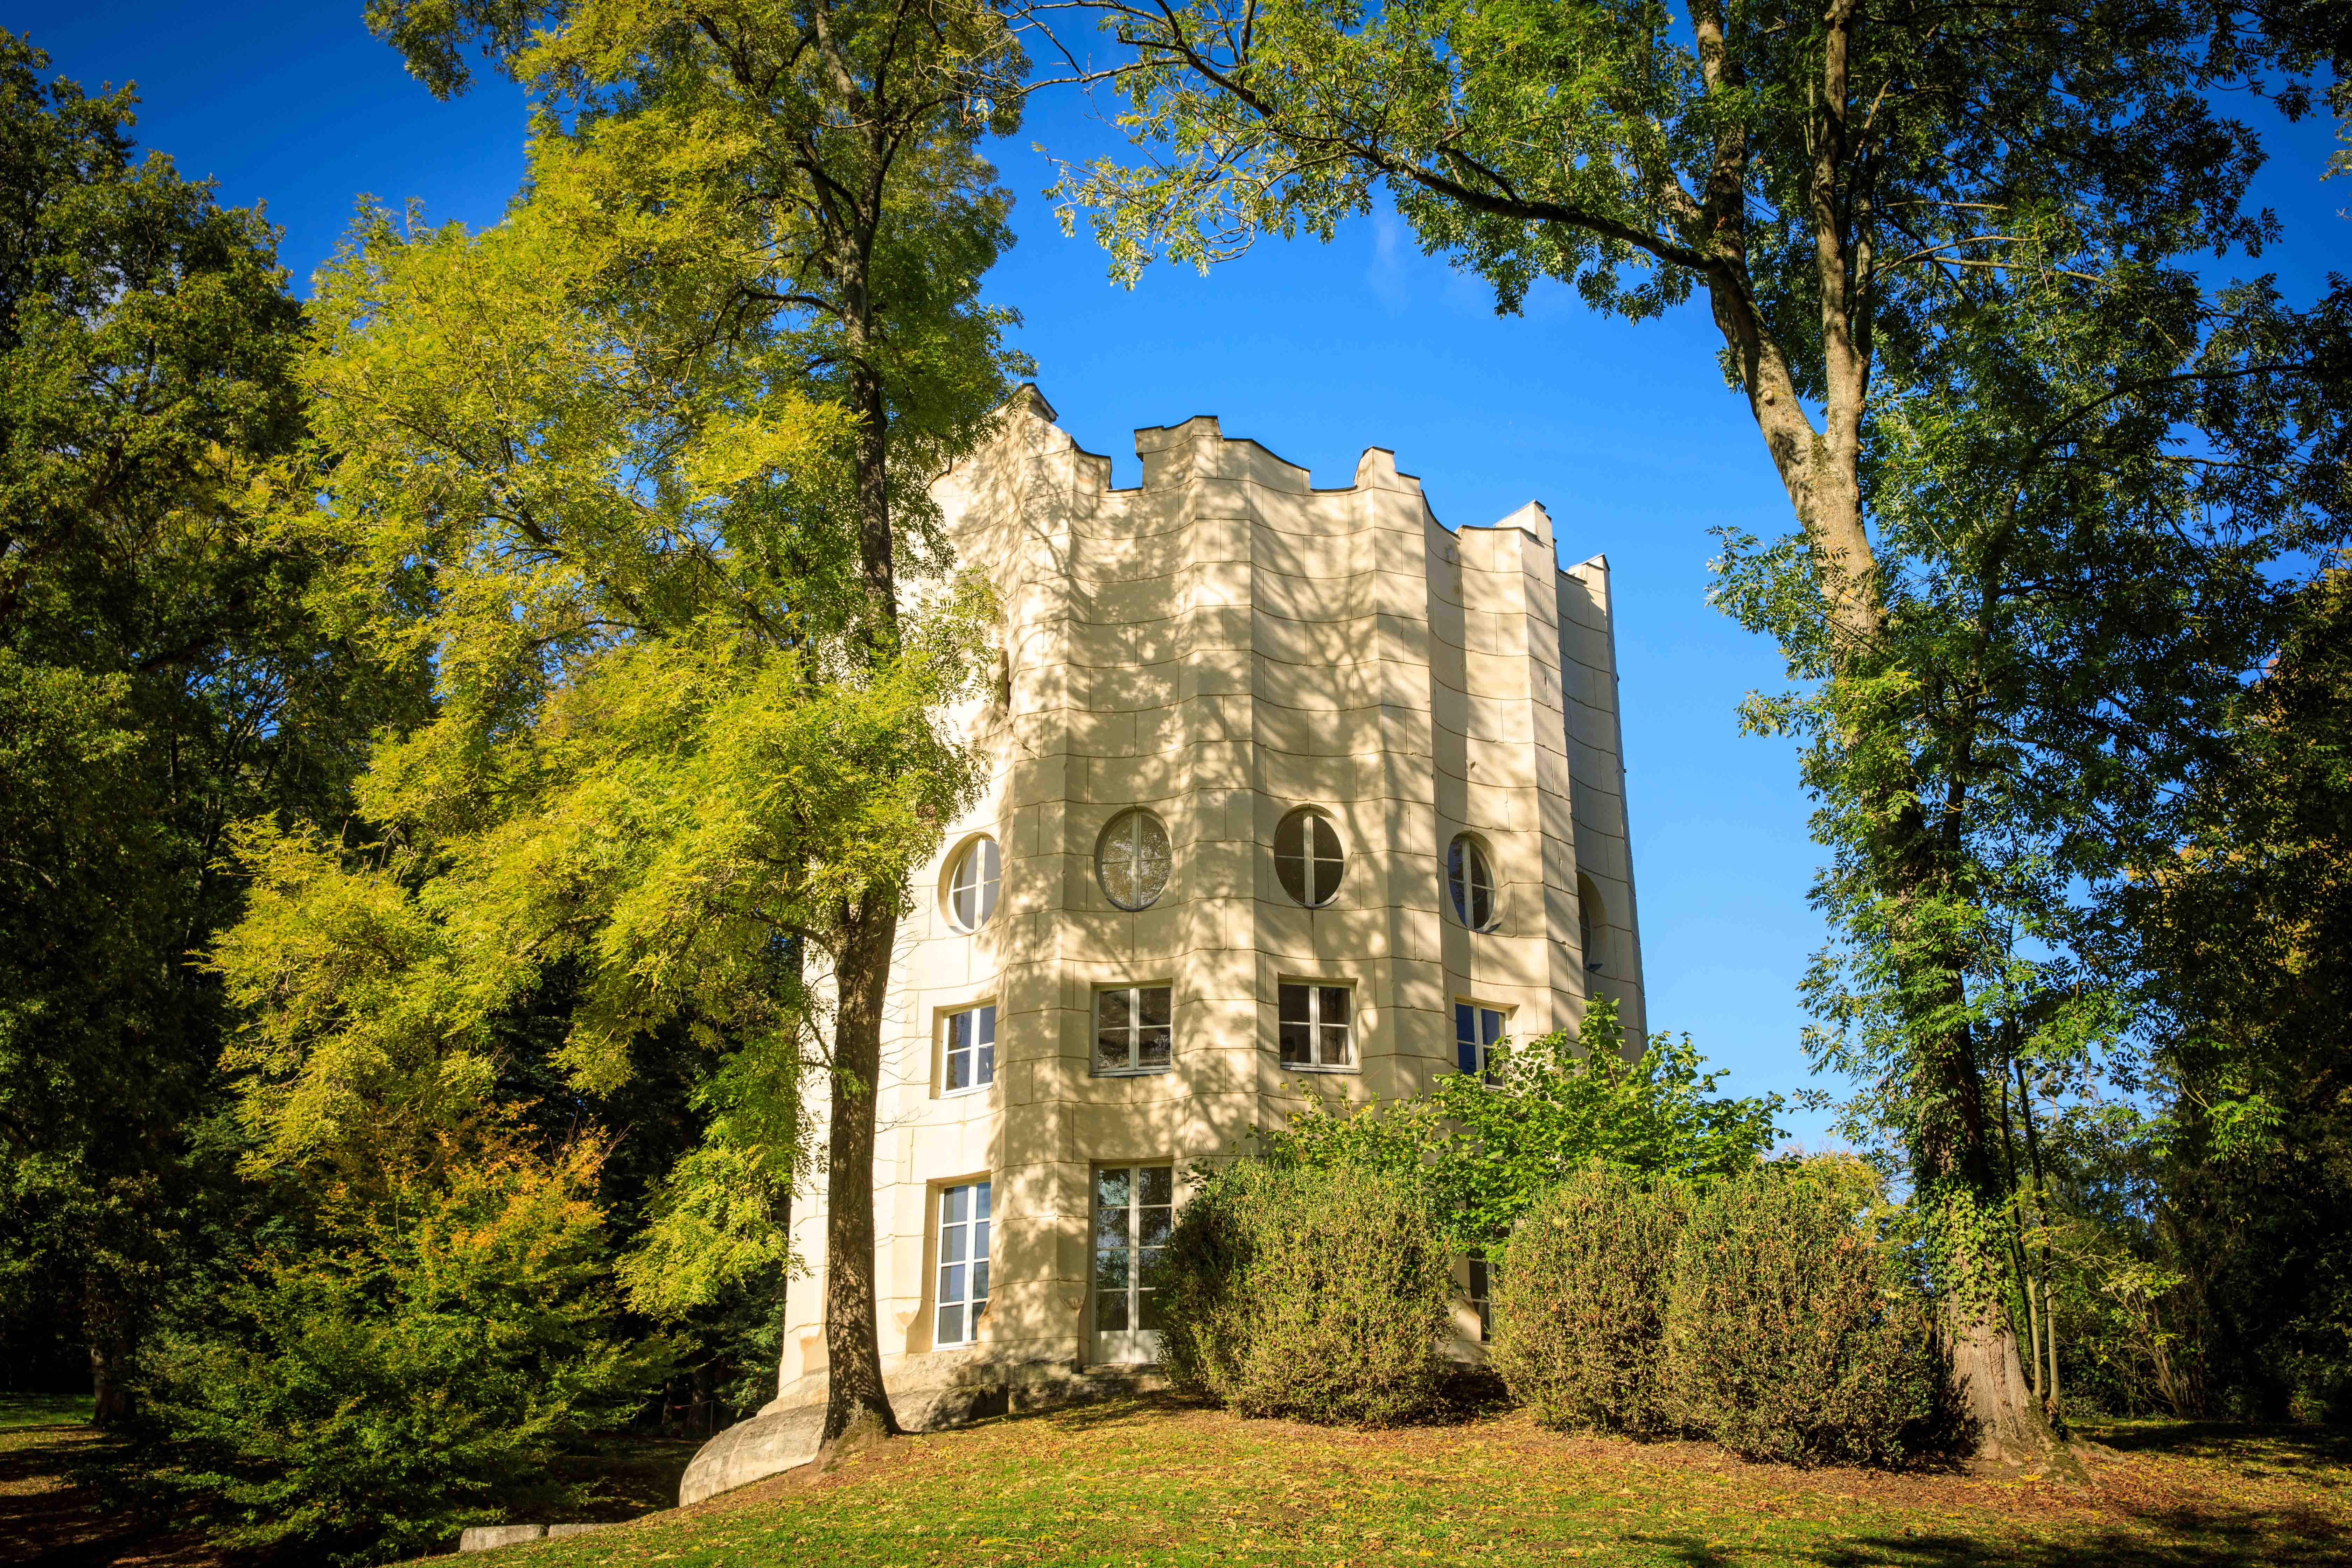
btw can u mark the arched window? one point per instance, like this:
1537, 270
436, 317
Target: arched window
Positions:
1307, 857
1472, 881
1588, 924
1133, 861
973, 885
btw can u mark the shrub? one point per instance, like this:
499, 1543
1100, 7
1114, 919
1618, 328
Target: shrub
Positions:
1315, 1293
1579, 1305
1793, 1332
363, 1401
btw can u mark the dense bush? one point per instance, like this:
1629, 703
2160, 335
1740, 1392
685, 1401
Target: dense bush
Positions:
364, 1399
1319, 1293
1792, 1330
1580, 1306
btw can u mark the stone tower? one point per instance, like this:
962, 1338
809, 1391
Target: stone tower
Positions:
1291, 788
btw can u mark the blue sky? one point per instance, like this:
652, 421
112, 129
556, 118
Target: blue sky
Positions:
1625, 433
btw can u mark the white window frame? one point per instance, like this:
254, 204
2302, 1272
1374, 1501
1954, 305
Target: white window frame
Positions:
1134, 817
979, 1049
963, 1245
1134, 1342
1316, 1024
1307, 819
1461, 893
1482, 1039
979, 869
1135, 1067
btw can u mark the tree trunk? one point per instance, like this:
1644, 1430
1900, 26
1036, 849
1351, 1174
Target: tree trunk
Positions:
1990, 1381
852, 1347
110, 1368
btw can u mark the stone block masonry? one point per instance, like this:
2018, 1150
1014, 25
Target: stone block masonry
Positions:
1118, 964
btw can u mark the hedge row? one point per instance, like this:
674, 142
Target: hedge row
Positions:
1762, 1311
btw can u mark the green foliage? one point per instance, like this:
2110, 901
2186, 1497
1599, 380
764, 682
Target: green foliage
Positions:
1794, 1329
415, 1373
162, 673
1581, 1308
2242, 941
1313, 1292
1487, 1146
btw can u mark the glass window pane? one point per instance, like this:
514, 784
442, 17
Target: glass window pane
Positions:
1290, 1003
1111, 1272
1110, 1309
1335, 1044
1111, 1009
990, 879
1152, 1225
1465, 1037
1148, 1304
1294, 1043
1152, 858
1153, 1005
1290, 858
1152, 1048
1112, 1229
987, 1073
986, 1018
959, 1070
1455, 881
951, 1282
951, 1204
950, 1325
1111, 1188
979, 1285
1158, 1184
1490, 1025
952, 1244
982, 1192
1335, 1005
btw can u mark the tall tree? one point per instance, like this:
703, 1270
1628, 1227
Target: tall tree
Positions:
160, 677
2242, 942
1845, 184
850, 170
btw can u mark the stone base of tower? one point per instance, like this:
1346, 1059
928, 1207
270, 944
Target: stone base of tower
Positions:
928, 1394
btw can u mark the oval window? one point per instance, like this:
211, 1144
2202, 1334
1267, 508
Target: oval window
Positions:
1307, 857
972, 886
1472, 880
1133, 861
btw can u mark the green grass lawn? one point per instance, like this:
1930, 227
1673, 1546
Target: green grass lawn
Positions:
1153, 1482
20, 1411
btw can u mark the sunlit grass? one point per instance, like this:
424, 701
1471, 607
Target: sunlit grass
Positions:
21, 1411
1149, 1483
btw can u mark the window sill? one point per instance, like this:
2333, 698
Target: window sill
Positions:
1303, 1066
1134, 1072
966, 1093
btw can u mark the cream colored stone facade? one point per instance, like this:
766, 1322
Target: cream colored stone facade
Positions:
1222, 646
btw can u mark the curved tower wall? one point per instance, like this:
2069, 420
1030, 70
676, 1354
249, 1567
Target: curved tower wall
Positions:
1221, 646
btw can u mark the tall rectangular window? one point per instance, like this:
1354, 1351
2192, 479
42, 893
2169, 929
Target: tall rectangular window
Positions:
1132, 1031
1312, 1024
971, 1050
964, 1262
1476, 1031
1482, 1295
1134, 1209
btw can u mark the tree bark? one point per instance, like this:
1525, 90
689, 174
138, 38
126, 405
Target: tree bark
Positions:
853, 1350
109, 1366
